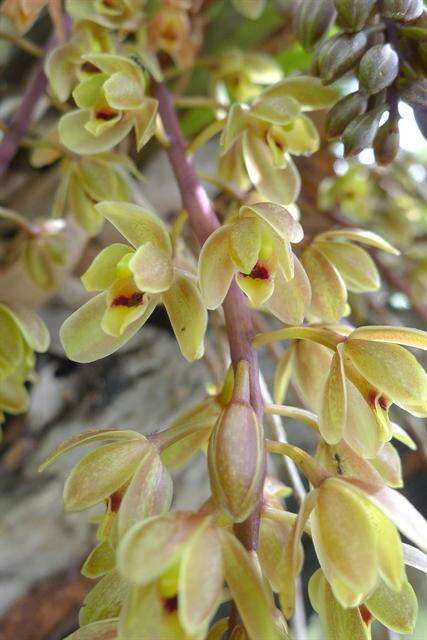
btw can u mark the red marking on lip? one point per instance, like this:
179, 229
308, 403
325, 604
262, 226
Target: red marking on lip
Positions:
373, 399
259, 272
89, 67
367, 616
115, 501
128, 301
103, 114
171, 604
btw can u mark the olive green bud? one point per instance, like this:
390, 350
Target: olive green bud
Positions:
378, 68
361, 132
386, 143
402, 10
353, 14
348, 108
313, 21
415, 93
236, 453
339, 54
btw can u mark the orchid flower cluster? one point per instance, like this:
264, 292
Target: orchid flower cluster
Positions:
230, 568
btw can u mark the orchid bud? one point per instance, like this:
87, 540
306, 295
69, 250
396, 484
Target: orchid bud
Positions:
339, 54
313, 21
346, 110
352, 15
386, 143
402, 10
378, 68
236, 453
361, 132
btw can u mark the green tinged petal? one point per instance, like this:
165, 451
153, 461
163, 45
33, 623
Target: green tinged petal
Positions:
148, 494
123, 92
333, 414
101, 630
354, 264
32, 327
84, 340
11, 344
216, 268
100, 561
278, 185
251, 595
360, 235
101, 472
400, 335
102, 272
339, 623
234, 127
201, 579
153, 546
276, 110
391, 369
152, 268
278, 218
291, 299
396, 610
88, 437
75, 136
188, 316
105, 600
308, 91
144, 119
329, 294
136, 224
244, 243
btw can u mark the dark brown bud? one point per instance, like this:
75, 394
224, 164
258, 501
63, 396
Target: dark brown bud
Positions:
415, 93
339, 54
361, 132
402, 10
386, 143
353, 14
344, 112
313, 21
378, 68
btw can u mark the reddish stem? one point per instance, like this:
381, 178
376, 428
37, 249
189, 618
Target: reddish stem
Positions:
204, 221
21, 119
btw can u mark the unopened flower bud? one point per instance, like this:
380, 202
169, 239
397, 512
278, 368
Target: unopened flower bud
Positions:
346, 110
236, 454
361, 132
402, 10
386, 143
378, 68
313, 21
415, 93
339, 54
353, 14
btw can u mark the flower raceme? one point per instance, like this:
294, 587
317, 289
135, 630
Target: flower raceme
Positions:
351, 378
258, 140
133, 281
255, 248
111, 102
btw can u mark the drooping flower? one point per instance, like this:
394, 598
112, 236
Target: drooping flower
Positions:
255, 248
351, 378
259, 139
176, 565
113, 14
111, 102
133, 281
397, 610
241, 75
335, 265
22, 333
86, 181
64, 65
